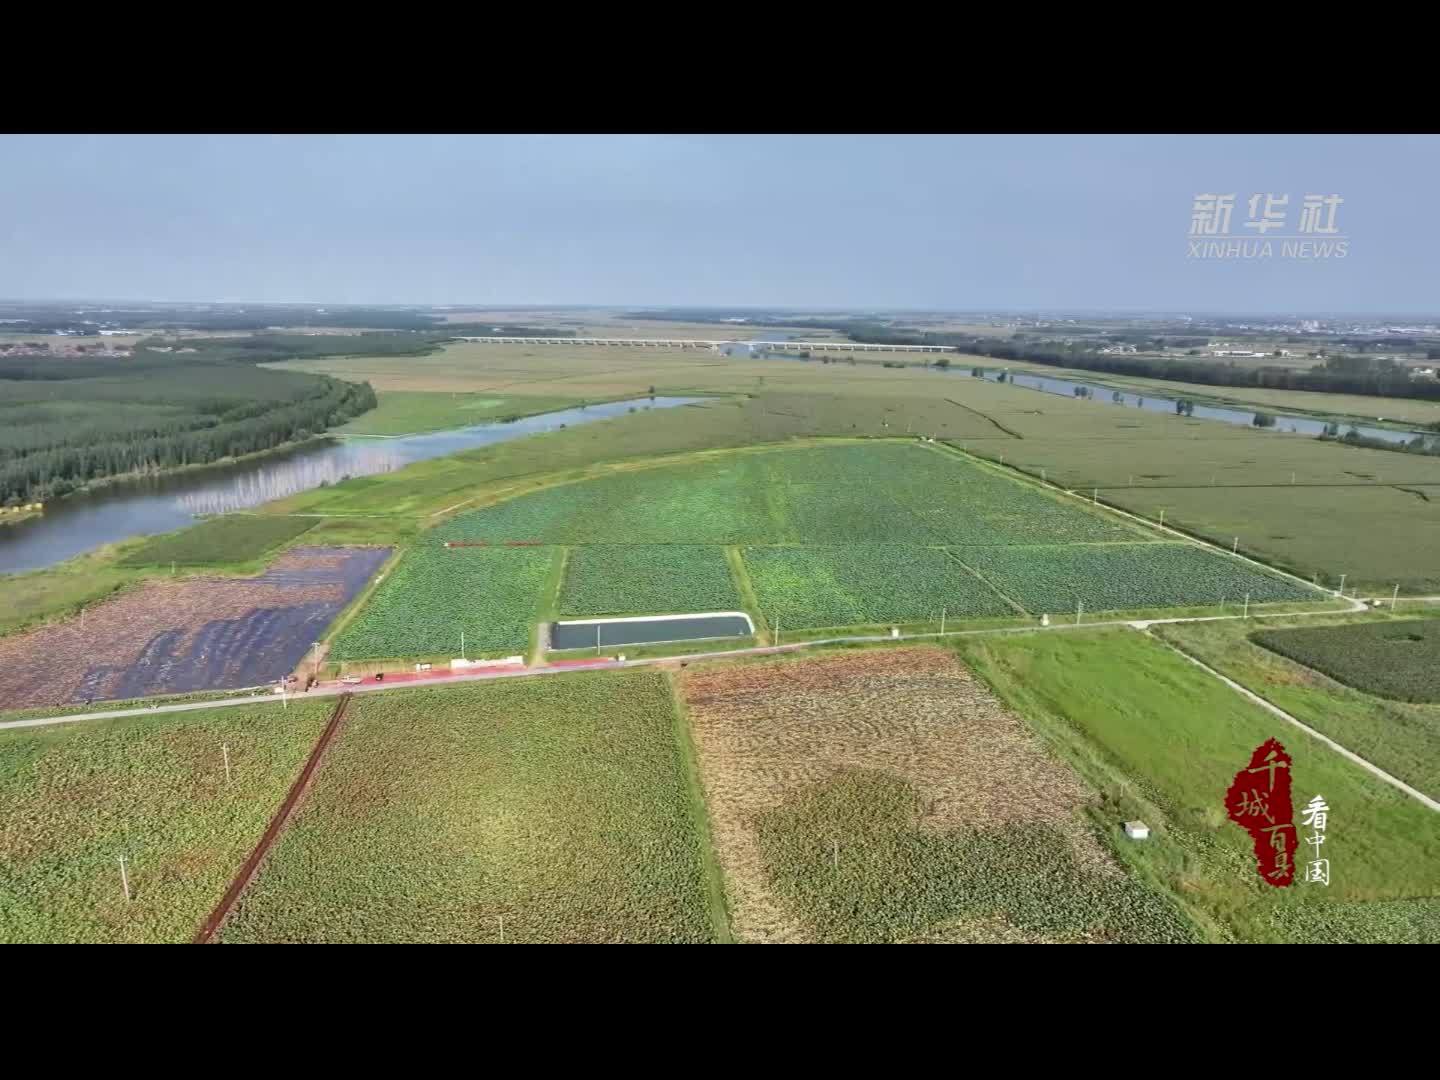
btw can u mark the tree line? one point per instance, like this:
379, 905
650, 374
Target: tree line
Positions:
59, 434
1340, 374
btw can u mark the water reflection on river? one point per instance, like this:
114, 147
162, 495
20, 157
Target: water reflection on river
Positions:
142, 507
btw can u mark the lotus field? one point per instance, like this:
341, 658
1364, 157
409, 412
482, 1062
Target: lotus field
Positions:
76, 797
492, 595
647, 579
844, 534
1117, 577
522, 811
842, 586
847, 494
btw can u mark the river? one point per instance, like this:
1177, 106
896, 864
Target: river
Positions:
148, 505
1287, 422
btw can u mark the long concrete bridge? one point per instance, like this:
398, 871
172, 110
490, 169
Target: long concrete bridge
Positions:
702, 343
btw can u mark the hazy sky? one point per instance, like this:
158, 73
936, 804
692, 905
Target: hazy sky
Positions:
824, 221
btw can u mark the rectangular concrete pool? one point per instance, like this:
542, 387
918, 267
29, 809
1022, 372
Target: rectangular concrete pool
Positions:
644, 630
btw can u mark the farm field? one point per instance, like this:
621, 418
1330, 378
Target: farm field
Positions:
60, 590
1401, 737
561, 805
1377, 536
647, 579
887, 796
857, 493
1115, 577
169, 636
1399, 659
74, 798
406, 412
1356, 521
1163, 740
810, 587
833, 535
234, 538
492, 595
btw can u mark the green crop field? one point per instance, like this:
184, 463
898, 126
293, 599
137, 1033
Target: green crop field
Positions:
1117, 577
560, 805
492, 595
231, 539
407, 412
838, 534
841, 586
1308, 506
1401, 737
883, 492
646, 579
1398, 660
74, 798
1164, 739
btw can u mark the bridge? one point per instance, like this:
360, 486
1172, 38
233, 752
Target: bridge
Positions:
703, 343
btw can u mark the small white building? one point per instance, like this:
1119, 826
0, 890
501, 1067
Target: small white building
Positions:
1137, 830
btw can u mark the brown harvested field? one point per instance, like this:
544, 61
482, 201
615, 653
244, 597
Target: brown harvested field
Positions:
775, 733
191, 634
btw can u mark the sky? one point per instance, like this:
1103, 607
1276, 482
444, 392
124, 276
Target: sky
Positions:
820, 222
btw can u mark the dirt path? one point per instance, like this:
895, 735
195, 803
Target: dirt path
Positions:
208, 929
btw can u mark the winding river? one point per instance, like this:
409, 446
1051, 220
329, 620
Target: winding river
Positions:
144, 506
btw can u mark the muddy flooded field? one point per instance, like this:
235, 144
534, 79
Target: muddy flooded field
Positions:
193, 634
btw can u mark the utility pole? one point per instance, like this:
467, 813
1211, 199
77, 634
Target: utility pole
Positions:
1162, 517
942, 622
124, 879
502, 929
225, 749
1341, 590
1079, 604
1395, 596
462, 640
1246, 613
835, 854
1094, 496
1235, 547
315, 660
